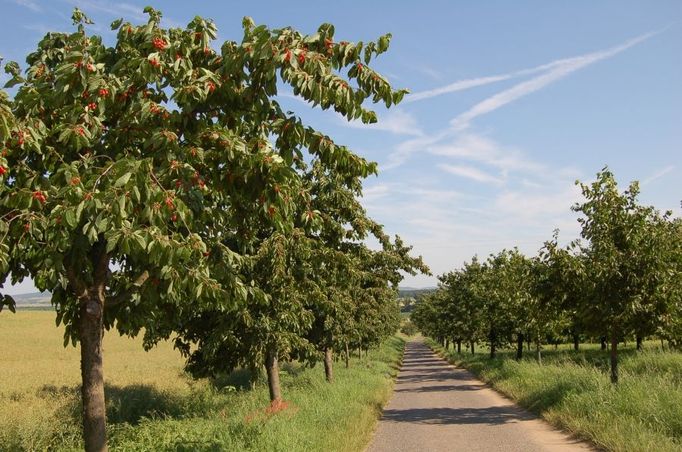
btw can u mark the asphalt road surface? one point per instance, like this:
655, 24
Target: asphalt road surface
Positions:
438, 407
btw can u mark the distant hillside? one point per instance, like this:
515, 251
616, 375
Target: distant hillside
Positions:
406, 292
408, 296
34, 300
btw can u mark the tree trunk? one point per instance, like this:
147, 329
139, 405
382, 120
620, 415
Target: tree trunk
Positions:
272, 368
493, 339
328, 364
459, 346
538, 350
254, 376
447, 344
347, 356
614, 359
528, 341
603, 342
576, 342
472, 348
639, 343
519, 346
92, 373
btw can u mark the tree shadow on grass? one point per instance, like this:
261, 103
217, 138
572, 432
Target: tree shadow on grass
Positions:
130, 404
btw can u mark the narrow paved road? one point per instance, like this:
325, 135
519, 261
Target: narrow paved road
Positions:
437, 407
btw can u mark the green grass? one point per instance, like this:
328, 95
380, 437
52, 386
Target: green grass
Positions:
572, 390
153, 405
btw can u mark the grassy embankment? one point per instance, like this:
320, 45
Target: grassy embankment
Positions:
572, 391
153, 405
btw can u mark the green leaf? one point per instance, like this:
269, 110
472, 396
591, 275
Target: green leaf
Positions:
121, 181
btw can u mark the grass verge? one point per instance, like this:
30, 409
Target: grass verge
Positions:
153, 405
572, 391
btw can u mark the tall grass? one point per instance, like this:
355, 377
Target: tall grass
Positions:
572, 391
153, 405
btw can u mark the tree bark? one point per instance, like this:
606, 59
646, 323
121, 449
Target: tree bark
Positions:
328, 364
254, 376
272, 368
92, 373
347, 356
472, 347
493, 339
459, 346
447, 344
519, 346
576, 342
614, 359
639, 343
538, 349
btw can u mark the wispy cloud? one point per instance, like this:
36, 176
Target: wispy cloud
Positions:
429, 71
30, 4
658, 174
546, 74
114, 9
394, 121
556, 70
472, 173
477, 148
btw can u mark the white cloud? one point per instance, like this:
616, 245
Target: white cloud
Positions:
556, 71
426, 70
549, 73
395, 121
114, 9
33, 6
658, 174
472, 173
481, 149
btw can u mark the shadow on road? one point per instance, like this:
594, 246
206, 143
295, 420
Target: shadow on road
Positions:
491, 415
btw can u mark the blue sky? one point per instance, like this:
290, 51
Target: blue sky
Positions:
511, 103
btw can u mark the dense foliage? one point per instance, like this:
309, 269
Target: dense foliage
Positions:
157, 184
622, 280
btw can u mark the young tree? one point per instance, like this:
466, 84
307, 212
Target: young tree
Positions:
323, 212
626, 269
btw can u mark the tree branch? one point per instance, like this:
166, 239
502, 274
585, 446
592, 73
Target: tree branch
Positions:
126, 294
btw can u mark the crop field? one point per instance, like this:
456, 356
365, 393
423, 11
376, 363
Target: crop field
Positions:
153, 405
571, 390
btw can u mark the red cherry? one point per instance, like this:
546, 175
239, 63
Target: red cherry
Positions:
211, 87
174, 218
103, 92
39, 196
287, 55
27, 226
92, 106
159, 43
3, 170
154, 62
301, 57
